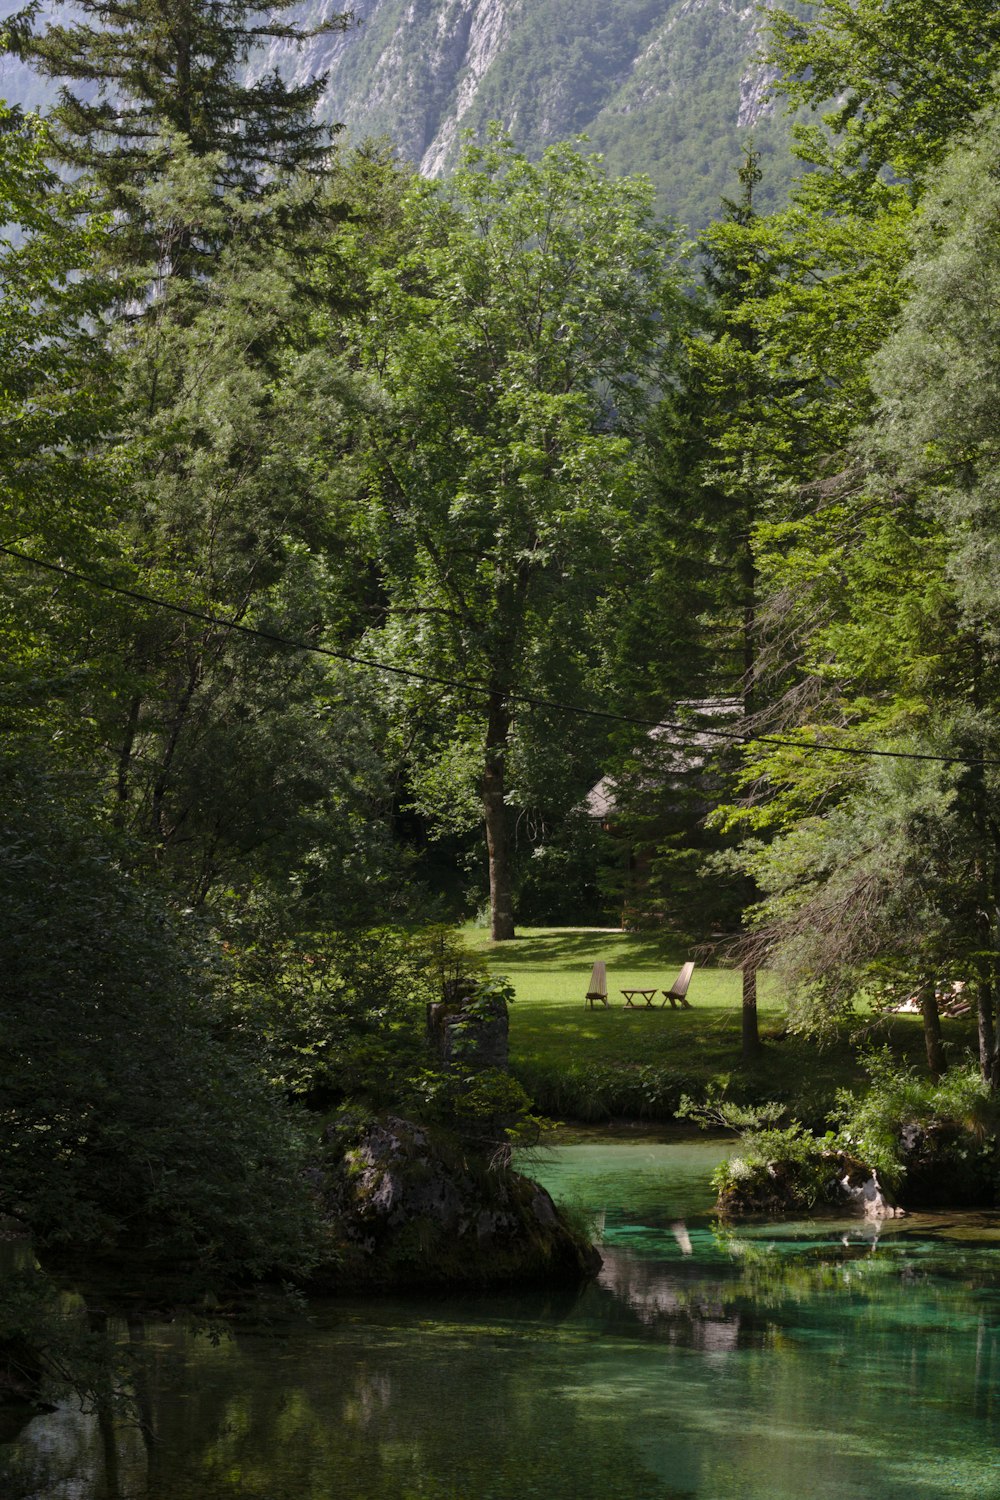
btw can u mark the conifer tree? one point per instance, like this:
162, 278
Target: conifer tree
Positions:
141, 73
728, 381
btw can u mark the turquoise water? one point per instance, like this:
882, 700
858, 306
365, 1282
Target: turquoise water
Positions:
786, 1360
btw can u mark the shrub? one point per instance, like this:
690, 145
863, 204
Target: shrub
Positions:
876, 1124
778, 1168
605, 1091
125, 1123
339, 1016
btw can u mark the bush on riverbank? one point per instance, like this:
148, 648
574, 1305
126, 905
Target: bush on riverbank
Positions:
778, 1168
52, 1348
935, 1143
340, 1015
600, 1092
145, 1117
932, 1145
127, 1127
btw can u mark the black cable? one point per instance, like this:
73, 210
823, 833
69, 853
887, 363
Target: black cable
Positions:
479, 688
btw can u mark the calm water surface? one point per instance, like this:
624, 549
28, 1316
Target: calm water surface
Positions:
785, 1360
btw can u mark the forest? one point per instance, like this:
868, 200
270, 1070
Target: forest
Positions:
353, 526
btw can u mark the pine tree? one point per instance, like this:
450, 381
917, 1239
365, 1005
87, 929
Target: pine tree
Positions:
153, 70
731, 381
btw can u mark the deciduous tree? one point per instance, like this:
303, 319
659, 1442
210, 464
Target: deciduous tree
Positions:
511, 354
896, 82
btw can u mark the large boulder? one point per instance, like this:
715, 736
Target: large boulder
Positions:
408, 1206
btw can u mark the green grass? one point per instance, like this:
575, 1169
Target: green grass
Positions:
597, 1064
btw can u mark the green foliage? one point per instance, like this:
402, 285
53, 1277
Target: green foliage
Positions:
873, 1123
124, 1124
474, 428
50, 1350
594, 1092
559, 880
887, 585
936, 377
790, 1173
57, 405
877, 884
232, 759
484, 1105
484, 995
905, 78
343, 1016
785, 1166
148, 82
510, 353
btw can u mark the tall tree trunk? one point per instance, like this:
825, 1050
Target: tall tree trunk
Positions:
161, 784
987, 1030
933, 1040
751, 1034
125, 753
495, 814
985, 883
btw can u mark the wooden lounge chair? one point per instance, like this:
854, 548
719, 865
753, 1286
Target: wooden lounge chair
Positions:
598, 985
677, 993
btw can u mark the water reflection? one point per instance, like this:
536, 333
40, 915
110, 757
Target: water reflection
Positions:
829, 1360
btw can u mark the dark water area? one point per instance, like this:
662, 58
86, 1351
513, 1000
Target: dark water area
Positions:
773, 1362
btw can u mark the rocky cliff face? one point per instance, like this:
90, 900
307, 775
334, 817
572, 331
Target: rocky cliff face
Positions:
671, 88
410, 69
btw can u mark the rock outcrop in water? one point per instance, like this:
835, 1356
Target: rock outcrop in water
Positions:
410, 1206
826, 1180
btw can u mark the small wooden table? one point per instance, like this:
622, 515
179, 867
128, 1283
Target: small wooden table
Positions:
647, 995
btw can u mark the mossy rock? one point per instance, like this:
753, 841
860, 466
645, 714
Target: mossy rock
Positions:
407, 1206
821, 1180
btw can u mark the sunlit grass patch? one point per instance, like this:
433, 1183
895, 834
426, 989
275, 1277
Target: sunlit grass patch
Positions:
594, 1064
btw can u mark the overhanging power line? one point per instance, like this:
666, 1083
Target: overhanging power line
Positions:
480, 689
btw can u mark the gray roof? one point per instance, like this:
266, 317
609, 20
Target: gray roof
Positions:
683, 747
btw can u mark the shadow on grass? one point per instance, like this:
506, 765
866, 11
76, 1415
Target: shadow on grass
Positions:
576, 950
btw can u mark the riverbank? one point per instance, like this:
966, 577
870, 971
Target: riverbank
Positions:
826, 1357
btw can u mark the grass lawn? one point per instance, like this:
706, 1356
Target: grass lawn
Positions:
594, 1064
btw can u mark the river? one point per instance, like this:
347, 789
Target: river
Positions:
778, 1361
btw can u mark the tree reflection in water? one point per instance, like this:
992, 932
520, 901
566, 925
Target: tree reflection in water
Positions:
767, 1363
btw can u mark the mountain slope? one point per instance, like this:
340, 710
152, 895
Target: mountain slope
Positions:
666, 87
